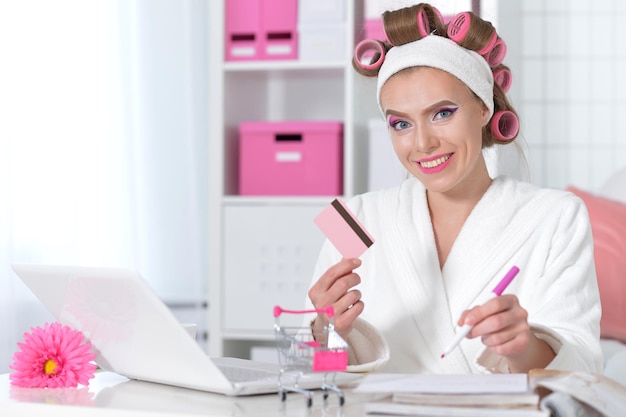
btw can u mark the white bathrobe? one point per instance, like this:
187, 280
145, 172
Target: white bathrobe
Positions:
412, 306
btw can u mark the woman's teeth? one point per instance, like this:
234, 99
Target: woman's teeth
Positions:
435, 162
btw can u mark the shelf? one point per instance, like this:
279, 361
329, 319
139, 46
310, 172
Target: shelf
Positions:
263, 249
234, 200
252, 66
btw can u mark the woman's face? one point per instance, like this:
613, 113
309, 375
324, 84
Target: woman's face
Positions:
436, 124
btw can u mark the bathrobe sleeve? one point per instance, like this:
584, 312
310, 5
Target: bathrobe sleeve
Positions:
560, 291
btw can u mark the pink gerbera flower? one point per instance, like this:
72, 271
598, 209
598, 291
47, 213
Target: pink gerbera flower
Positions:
53, 357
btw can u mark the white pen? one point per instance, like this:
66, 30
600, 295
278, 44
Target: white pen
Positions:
496, 292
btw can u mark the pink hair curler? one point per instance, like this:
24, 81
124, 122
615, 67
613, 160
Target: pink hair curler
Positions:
436, 10
505, 125
366, 50
423, 26
497, 53
489, 46
459, 26
427, 20
504, 78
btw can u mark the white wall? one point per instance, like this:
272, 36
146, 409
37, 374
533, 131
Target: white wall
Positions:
568, 64
103, 148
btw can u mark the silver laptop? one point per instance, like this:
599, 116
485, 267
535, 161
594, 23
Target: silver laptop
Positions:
136, 335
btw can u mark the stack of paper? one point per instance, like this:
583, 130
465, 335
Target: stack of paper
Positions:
398, 409
502, 395
510, 400
541, 393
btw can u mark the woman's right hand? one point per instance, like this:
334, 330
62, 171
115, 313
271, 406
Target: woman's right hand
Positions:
335, 288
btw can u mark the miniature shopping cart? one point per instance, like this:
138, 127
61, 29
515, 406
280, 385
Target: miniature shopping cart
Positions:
307, 349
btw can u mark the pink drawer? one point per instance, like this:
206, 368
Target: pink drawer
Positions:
291, 158
261, 30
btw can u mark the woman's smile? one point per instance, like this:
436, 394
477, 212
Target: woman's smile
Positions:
429, 164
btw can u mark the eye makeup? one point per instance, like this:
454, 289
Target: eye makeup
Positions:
393, 120
449, 110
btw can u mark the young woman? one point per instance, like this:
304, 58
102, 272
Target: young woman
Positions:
450, 232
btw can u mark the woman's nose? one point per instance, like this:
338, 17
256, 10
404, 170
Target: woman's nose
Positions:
424, 140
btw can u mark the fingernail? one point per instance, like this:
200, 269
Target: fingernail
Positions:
356, 262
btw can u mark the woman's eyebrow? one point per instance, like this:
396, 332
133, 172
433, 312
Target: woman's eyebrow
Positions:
439, 104
427, 110
395, 113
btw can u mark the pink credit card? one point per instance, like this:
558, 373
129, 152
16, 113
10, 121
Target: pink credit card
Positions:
343, 229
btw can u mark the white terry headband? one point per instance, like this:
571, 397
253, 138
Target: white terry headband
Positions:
445, 54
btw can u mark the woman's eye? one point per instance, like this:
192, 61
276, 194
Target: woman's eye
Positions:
398, 124
445, 113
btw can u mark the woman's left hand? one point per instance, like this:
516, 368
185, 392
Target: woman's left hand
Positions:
502, 325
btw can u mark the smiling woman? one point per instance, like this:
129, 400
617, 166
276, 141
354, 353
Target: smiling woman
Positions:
102, 140
426, 106
450, 230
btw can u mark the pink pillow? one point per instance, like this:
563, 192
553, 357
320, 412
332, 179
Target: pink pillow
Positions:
608, 227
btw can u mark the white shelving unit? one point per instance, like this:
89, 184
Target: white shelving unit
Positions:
262, 249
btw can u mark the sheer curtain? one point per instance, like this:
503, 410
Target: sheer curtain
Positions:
102, 146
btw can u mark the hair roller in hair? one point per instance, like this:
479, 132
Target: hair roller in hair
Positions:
459, 26
438, 13
490, 44
369, 54
497, 53
434, 18
505, 125
423, 23
503, 77
471, 32
412, 23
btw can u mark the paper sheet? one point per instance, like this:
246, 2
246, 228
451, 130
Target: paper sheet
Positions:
444, 384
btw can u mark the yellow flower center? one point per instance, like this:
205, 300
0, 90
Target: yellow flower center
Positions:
49, 367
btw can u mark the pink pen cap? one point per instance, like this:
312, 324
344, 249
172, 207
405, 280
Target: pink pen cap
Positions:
496, 292
504, 282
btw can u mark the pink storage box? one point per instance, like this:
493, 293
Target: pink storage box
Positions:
279, 28
243, 30
261, 30
291, 158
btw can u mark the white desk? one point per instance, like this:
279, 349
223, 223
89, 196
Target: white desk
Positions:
109, 394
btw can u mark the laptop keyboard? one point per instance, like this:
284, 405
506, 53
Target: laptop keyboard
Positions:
237, 374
